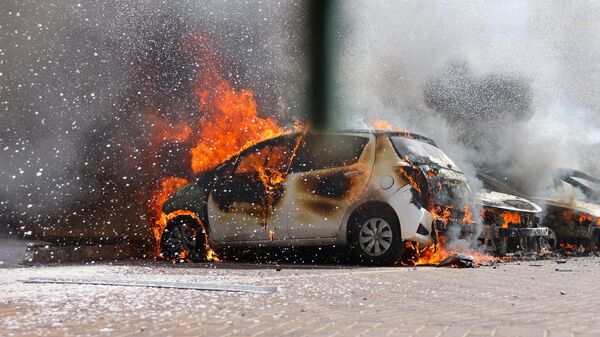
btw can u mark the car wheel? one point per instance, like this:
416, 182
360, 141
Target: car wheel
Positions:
182, 240
376, 240
549, 242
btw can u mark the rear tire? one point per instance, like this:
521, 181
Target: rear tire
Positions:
375, 239
183, 240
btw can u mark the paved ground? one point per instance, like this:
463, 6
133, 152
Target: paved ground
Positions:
540, 298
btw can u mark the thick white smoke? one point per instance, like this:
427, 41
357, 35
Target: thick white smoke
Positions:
547, 52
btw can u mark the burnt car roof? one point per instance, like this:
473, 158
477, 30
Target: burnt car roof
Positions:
404, 134
339, 131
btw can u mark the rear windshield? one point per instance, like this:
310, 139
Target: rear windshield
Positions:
419, 152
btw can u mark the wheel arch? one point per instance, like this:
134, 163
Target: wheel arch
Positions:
369, 207
190, 216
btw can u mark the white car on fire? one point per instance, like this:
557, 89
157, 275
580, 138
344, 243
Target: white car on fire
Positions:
367, 191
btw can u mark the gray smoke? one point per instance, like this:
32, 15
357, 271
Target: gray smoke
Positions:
76, 79
511, 85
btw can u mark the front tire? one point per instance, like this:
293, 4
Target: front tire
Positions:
376, 239
183, 240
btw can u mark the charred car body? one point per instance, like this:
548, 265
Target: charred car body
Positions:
572, 212
509, 222
368, 191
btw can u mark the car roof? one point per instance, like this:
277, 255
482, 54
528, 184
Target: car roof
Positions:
389, 133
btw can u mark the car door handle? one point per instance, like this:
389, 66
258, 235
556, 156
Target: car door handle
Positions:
352, 173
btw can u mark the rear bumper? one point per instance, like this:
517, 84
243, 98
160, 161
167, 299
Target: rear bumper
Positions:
416, 223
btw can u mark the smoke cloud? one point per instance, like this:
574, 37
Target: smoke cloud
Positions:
78, 78
508, 85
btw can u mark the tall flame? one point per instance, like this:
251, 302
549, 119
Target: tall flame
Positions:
228, 121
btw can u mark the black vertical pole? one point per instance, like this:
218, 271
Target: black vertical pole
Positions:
319, 86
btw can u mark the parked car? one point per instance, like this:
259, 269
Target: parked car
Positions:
365, 190
572, 207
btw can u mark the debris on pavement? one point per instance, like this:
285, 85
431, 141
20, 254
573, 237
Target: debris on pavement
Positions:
158, 284
458, 261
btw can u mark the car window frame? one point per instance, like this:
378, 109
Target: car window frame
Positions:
367, 139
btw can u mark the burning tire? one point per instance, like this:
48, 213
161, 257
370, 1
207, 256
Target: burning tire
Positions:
375, 239
183, 240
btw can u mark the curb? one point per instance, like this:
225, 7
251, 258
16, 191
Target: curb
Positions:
43, 253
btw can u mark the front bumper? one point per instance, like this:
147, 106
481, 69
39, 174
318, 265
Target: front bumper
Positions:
416, 223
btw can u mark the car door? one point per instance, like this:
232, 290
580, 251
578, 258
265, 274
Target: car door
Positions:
328, 173
241, 205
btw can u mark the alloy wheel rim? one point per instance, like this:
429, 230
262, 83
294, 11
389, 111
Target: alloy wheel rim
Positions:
182, 238
375, 237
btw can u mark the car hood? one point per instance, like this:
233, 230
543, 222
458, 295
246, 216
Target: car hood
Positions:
573, 204
506, 201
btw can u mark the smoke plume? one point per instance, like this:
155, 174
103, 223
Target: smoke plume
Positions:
509, 85
77, 80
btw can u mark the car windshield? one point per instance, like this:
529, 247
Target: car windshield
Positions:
420, 152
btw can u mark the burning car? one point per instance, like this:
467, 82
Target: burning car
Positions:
572, 212
509, 222
303, 189
365, 190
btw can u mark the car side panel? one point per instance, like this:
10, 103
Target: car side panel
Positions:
318, 200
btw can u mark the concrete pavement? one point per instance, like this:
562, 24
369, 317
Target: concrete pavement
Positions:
538, 298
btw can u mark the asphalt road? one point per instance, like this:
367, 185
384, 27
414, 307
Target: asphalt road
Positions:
538, 298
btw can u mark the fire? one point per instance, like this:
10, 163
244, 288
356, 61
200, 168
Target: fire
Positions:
230, 120
165, 131
434, 254
212, 256
509, 217
227, 122
567, 246
468, 218
411, 180
380, 124
156, 216
442, 213
430, 255
584, 218
568, 214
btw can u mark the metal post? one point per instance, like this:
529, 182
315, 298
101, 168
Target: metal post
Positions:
319, 96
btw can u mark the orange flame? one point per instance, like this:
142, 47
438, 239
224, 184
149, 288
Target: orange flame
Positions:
509, 217
271, 235
568, 214
406, 175
468, 218
383, 125
442, 213
434, 254
228, 121
165, 131
158, 219
584, 218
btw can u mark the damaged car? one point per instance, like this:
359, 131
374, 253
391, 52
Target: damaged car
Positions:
367, 191
571, 207
507, 223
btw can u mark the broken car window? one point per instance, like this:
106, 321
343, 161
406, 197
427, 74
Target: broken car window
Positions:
318, 152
